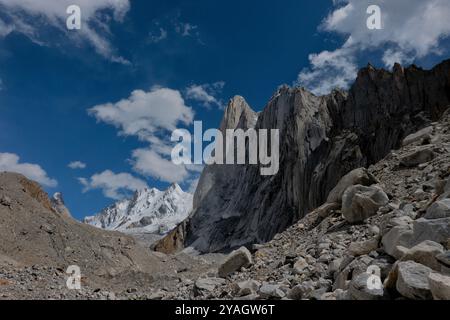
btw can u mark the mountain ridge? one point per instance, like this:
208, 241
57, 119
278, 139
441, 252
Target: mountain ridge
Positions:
147, 211
322, 139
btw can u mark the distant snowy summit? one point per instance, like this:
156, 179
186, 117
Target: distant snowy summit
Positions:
58, 204
148, 211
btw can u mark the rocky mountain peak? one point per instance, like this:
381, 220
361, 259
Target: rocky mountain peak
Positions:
148, 211
398, 69
321, 140
58, 204
145, 193
237, 111
57, 197
174, 187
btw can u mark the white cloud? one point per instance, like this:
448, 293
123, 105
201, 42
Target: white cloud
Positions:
55, 10
77, 165
151, 117
391, 56
11, 162
206, 93
28, 16
412, 29
338, 15
329, 69
5, 29
144, 113
155, 161
150, 163
114, 186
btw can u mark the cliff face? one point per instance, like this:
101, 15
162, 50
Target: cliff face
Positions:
321, 139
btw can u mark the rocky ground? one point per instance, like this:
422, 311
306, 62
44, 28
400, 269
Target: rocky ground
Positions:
384, 233
39, 243
50, 282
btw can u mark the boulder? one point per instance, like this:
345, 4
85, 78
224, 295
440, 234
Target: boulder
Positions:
271, 291
300, 265
301, 291
241, 258
384, 264
356, 177
325, 210
388, 222
250, 297
396, 239
439, 209
444, 262
248, 287
374, 231
5, 201
412, 281
444, 258
350, 269
362, 287
390, 282
334, 265
342, 295
425, 133
425, 253
363, 247
208, 284
418, 156
437, 230
360, 203
290, 258
409, 210
439, 286
317, 294
329, 296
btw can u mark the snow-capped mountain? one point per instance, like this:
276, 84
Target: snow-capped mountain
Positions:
58, 204
148, 211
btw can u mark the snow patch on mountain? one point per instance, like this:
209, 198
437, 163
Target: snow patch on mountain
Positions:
148, 211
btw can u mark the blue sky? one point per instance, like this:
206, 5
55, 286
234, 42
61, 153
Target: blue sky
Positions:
64, 95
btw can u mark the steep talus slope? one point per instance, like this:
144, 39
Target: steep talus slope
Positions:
38, 243
321, 139
31, 232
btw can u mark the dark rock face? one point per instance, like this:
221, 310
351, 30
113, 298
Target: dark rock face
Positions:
321, 140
